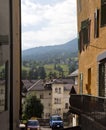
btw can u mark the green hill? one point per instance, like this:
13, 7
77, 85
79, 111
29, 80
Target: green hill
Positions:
52, 54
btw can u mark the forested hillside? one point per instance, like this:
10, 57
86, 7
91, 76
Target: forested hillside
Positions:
50, 61
51, 54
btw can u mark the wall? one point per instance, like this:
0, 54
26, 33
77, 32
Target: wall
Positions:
88, 57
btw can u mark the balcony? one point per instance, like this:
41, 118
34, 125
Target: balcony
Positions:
90, 110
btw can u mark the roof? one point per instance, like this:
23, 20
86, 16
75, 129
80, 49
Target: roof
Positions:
74, 74
63, 81
28, 83
37, 85
40, 85
72, 88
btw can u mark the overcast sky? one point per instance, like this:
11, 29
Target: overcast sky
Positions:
48, 22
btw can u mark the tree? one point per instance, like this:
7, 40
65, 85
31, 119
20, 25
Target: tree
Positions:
32, 107
42, 72
72, 68
33, 73
24, 74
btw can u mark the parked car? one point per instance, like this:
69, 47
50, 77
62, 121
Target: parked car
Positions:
56, 122
33, 125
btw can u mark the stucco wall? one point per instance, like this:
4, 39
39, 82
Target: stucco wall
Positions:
88, 57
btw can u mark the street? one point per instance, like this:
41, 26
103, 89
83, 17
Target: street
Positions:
45, 128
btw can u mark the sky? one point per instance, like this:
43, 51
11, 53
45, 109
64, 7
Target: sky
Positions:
48, 22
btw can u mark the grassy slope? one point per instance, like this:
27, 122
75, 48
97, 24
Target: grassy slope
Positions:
50, 68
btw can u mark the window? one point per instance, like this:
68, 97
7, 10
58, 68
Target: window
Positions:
66, 106
84, 34
56, 90
102, 80
80, 43
85, 30
96, 23
81, 83
103, 12
41, 96
59, 90
57, 100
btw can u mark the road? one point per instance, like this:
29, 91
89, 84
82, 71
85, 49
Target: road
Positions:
45, 128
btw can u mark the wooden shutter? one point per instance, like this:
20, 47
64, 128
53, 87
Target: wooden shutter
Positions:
96, 23
103, 12
85, 28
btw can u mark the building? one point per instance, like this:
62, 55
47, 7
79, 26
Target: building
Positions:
10, 47
54, 95
92, 47
74, 75
90, 105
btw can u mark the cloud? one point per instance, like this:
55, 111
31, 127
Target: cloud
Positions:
48, 23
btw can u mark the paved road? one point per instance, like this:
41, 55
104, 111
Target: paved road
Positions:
45, 128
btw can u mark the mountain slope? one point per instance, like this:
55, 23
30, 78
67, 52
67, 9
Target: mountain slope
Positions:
68, 49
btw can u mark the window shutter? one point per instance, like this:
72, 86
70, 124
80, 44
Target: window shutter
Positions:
103, 12
79, 42
85, 28
96, 23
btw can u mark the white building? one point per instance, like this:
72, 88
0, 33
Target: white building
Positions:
53, 95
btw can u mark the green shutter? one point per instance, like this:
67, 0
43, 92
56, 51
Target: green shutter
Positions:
103, 12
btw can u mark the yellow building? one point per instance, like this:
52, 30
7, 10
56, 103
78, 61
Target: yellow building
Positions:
90, 103
92, 46
10, 48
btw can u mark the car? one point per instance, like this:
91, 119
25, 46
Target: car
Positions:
33, 125
56, 122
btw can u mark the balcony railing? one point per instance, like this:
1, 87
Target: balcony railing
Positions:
93, 107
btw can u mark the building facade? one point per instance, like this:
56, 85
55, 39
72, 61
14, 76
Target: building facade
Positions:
90, 104
53, 95
10, 48
92, 47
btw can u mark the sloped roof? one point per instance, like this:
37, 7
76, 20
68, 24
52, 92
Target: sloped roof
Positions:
63, 81
74, 74
28, 83
40, 85
71, 87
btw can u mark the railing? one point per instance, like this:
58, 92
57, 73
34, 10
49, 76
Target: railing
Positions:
93, 107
